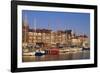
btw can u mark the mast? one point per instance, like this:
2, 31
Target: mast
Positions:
50, 32
25, 25
34, 24
66, 35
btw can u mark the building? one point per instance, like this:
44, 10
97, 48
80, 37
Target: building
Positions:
47, 38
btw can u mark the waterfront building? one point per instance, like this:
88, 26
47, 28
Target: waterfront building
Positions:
47, 38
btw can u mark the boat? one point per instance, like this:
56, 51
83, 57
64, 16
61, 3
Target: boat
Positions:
85, 46
52, 51
39, 53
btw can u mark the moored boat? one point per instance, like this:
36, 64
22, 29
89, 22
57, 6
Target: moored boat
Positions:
39, 53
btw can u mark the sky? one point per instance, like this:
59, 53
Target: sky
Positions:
78, 22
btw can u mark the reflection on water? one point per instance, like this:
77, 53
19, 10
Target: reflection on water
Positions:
67, 56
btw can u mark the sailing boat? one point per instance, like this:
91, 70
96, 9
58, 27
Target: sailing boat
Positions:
38, 51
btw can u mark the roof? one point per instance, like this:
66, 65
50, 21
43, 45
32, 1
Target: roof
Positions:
40, 30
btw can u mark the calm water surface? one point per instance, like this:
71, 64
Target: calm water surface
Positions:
67, 56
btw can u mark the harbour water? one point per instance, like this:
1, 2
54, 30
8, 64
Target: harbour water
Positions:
67, 56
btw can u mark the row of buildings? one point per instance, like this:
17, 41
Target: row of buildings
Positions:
47, 38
